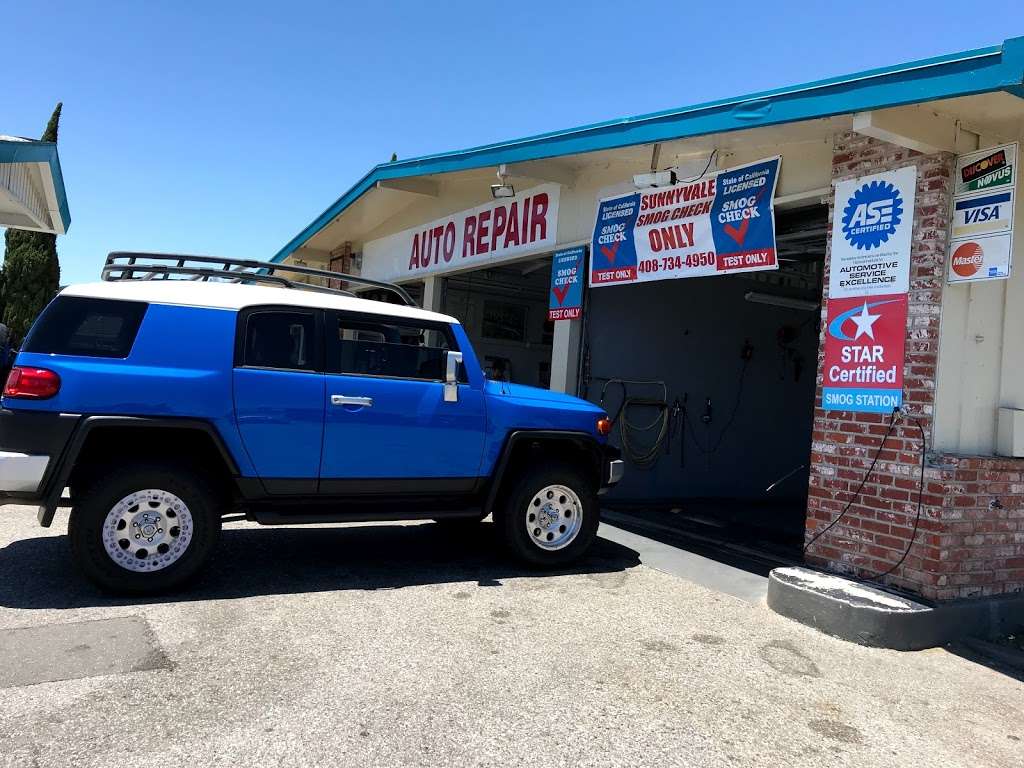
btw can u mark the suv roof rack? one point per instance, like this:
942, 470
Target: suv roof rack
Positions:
133, 265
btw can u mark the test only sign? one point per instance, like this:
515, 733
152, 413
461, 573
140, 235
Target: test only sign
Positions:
981, 234
866, 317
719, 224
567, 270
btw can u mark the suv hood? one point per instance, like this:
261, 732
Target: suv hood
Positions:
545, 396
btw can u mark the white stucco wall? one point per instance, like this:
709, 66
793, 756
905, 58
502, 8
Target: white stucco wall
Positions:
981, 351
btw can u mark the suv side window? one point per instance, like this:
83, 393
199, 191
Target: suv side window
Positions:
77, 325
284, 339
368, 345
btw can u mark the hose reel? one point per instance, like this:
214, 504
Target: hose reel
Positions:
642, 455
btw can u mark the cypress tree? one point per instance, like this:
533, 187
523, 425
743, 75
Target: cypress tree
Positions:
31, 272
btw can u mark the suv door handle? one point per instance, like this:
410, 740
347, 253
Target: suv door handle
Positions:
365, 402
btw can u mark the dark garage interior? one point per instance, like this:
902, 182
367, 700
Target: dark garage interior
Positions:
711, 384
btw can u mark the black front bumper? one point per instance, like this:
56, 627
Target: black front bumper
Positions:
612, 468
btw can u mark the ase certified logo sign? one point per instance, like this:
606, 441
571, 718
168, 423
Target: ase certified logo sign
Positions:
872, 214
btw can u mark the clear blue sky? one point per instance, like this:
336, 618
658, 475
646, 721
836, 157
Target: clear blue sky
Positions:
227, 129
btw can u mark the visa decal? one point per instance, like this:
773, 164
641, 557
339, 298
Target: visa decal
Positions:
983, 215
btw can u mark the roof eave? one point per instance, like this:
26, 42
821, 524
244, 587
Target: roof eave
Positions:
998, 68
41, 152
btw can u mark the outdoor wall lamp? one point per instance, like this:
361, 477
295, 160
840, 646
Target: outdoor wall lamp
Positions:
504, 189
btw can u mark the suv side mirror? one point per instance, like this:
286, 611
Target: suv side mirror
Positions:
452, 361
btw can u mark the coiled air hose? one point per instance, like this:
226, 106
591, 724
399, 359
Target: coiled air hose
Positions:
639, 456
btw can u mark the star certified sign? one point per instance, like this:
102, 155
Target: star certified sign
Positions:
864, 345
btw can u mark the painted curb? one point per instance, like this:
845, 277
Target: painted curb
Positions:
863, 614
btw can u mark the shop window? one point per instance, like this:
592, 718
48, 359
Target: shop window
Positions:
504, 321
387, 347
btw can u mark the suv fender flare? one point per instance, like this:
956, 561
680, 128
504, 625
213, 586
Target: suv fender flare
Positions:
587, 443
58, 475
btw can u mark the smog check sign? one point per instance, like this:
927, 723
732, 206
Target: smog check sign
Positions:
565, 300
718, 224
864, 349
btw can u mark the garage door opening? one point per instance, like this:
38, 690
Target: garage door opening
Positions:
504, 312
712, 383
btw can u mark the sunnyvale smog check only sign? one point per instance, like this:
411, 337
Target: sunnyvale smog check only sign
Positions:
719, 224
869, 275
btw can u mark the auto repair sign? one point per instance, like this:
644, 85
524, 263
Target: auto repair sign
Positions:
565, 300
864, 349
493, 232
871, 234
719, 224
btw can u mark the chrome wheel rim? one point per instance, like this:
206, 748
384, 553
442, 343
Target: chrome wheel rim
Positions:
554, 517
148, 530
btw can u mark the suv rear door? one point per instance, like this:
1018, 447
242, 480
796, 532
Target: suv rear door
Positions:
279, 395
388, 428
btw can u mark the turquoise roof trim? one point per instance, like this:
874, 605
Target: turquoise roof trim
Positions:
997, 68
40, 152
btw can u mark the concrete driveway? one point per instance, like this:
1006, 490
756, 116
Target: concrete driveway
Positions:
394, 645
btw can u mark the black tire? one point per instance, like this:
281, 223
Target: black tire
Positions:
100, 495
512, 516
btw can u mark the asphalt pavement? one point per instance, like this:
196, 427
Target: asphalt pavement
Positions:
403, 645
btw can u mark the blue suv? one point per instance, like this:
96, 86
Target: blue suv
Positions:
180, 390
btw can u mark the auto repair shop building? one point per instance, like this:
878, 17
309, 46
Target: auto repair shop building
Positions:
762, 281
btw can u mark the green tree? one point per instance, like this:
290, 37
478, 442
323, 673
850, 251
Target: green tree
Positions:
31, 271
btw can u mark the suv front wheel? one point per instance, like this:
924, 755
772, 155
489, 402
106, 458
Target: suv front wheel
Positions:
144, 528
551, 516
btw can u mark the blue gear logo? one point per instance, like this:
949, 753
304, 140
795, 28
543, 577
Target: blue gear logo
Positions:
872, 214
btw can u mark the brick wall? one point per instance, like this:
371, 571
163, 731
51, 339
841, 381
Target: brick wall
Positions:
981, 540
971, 534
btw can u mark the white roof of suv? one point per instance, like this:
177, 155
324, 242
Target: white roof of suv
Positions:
235, 296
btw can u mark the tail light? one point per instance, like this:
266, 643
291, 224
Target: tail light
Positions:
31, 383
604, 426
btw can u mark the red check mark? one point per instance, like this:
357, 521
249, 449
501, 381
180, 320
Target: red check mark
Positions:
739, 234
560, 291
609, 253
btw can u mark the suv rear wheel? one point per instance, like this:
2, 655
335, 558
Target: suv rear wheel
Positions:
551, 516
144, 528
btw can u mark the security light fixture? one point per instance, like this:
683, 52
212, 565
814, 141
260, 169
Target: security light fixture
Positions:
781, 301
504, 189
654, 179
